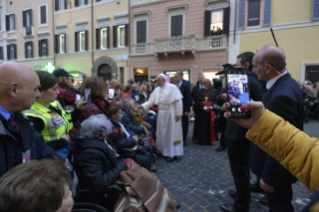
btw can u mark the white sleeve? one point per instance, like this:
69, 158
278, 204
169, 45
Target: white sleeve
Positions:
147, 104
178, 107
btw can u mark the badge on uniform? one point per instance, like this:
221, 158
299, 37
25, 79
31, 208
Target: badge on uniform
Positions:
57, 121
26, 156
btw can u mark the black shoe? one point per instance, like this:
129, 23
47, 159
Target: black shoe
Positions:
178, 205
169, 159
219, 149
264, 201
232, 194
255, 187
231, 208
153, 168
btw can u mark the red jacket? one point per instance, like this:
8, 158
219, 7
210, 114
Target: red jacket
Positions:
66, 97
97, 106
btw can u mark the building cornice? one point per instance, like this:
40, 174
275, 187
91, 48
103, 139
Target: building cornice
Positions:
41, 34
146, 12
84, 6
121, 15
144, 4
103, 18
61, 26
175, 7
81, 22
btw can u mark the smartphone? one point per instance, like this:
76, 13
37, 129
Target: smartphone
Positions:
87, 96
111, 93
237, 91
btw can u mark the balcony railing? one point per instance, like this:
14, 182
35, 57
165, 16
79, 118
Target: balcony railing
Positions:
181, 44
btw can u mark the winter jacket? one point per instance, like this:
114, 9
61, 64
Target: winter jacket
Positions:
96, 164
130, 122
66, 97
294, 149
14, 144
124, 141
97, 106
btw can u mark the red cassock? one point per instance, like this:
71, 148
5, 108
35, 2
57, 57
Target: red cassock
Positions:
212, 120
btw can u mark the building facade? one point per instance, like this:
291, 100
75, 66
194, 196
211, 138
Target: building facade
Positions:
186, 35
91, 37
296, 27
26, 34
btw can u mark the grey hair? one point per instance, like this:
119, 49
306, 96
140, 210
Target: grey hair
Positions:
162, 76
114, 80
128, 102
97, 126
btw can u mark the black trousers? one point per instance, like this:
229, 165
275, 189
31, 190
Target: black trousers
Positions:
144, 160
280, 199
223, 140
238, 154
185, 121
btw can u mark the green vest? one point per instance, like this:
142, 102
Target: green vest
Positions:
55, 125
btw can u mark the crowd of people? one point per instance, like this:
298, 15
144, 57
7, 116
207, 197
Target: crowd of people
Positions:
53, 137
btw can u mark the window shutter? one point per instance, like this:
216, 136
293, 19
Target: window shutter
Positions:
26, 50
47, 47
57, 7
208, 19
126, 35
86, 1
114, 36
76, 40
108, 44
31, 43
65, 41
242, 14
14, 21
8, 52
40, 48
43, 15
56, 44
31, 18
24, 17
7, 22
315, 10
267, 6
87, 40
226, 20
15, 51
76, 3
141, 32
1, 53
98, 38
177, 25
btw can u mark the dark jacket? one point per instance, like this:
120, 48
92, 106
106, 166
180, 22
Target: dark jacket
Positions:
130, 122
66, 97
186, 91
234, 131
134, 94
142, 98
13, 144
284, 99
97, 106
194, 94
124, 141
96, 164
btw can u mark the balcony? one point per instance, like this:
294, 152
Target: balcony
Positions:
182, 44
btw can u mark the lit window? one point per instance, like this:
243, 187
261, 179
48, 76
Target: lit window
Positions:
11, 22
62, 40
44, 49
62, 4
104, 38
121, 36
82, 41
12, 52
81, 2
29, 51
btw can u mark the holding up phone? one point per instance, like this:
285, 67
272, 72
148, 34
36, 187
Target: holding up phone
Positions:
87, 96
237, 91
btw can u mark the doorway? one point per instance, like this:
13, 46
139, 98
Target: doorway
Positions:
140, 74
105, 71
312, 73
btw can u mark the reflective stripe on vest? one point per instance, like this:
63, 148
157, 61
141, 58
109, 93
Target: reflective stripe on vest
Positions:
52, 131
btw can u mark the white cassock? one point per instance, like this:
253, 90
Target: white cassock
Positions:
169, 132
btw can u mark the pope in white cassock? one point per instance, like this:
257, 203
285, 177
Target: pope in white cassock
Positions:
169, 133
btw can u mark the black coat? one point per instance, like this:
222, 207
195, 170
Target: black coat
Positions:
13, 144
234, 131
96, 164
124, 142
284, 99
142, 98
186, 92
194, 95
130, 122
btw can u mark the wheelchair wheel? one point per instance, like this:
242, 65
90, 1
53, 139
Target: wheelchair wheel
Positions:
88, 207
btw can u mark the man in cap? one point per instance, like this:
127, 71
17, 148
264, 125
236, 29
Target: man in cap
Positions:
65, 97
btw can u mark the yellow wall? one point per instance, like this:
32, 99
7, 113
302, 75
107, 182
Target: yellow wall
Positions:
290, 11
300, 44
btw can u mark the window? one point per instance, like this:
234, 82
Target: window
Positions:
104, 38
217, 22
1, 53
78, 3
141, 32
12, 52
61, 5
81, 41
176, 25
315, 10
27, 21
43, 14
43, 48
254, 13
62, 43
121, 36
29, 50
10, 22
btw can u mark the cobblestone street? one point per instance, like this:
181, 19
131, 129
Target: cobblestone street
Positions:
201, 179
